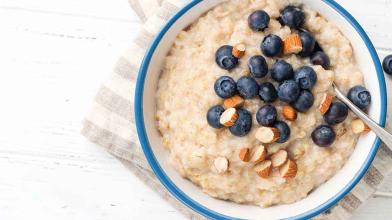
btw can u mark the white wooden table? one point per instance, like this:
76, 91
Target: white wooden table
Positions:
53, 56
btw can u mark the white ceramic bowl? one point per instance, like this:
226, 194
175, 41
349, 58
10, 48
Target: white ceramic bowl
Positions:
320, 199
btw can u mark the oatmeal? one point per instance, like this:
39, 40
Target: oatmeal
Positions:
265, 160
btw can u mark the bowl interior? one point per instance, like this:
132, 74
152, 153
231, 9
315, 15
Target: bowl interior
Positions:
327, 193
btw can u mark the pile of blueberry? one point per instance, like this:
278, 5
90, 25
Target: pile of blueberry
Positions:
294, 86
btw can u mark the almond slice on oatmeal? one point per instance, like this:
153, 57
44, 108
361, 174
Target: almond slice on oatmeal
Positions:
233, 102
258, 154
289, 169
326, 102
263, 169
267, 135
279, 158
239, 50
221, 164
289, 113
292, 44
244, 154
229, 117
358, 126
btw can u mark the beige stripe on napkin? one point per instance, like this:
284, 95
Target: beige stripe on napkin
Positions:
111, 120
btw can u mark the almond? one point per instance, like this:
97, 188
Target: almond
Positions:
238, 50
221, 164
245, 154
233, 102
358, 126
325, 103
279, 158
229, 117
267, 135
292, 44
263, 169
289, 113
289, 169
258, 154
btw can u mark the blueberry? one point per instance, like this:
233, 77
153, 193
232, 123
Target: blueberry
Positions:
360, 96
288, 91
284, 130
272, 45
225, 87
308, 44
320, 58
258, 66
306, 77
304, 102
336, 113
247, 87
258, 20
267, 92
281, 70
266, 115
323, 136
293, 17
243, 124
225, 59
213, 116
317, 48
387, 64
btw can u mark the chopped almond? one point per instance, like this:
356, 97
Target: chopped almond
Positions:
221, 164
267, 135
279, 158
229, 117
289, 113
245, 154
292, 44
263, 169
325, 103
258, 154
239, 50
358, 126
289, 169
233, 102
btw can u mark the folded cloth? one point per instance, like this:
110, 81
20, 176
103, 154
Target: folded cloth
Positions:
111, 123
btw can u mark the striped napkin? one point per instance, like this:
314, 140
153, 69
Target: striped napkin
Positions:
111, 121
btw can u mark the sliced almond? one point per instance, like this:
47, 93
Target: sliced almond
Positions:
263, 169
229, 117
233, 102
289, 113
238, 50
279, 158
258, 154
289, 169
358, 126
245, 154
326, 102
292, 44
221, 164
267, 135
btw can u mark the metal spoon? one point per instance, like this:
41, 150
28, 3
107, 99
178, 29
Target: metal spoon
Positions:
384, 135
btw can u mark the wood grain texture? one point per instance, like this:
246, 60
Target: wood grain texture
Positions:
53, 56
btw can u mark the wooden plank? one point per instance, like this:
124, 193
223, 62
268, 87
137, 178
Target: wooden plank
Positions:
375, 17
103, 9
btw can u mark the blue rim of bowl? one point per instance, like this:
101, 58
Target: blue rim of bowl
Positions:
185, 199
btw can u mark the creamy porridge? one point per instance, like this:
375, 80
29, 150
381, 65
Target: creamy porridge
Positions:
223, 164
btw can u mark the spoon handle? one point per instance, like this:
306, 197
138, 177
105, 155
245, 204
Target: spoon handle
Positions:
384, 135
